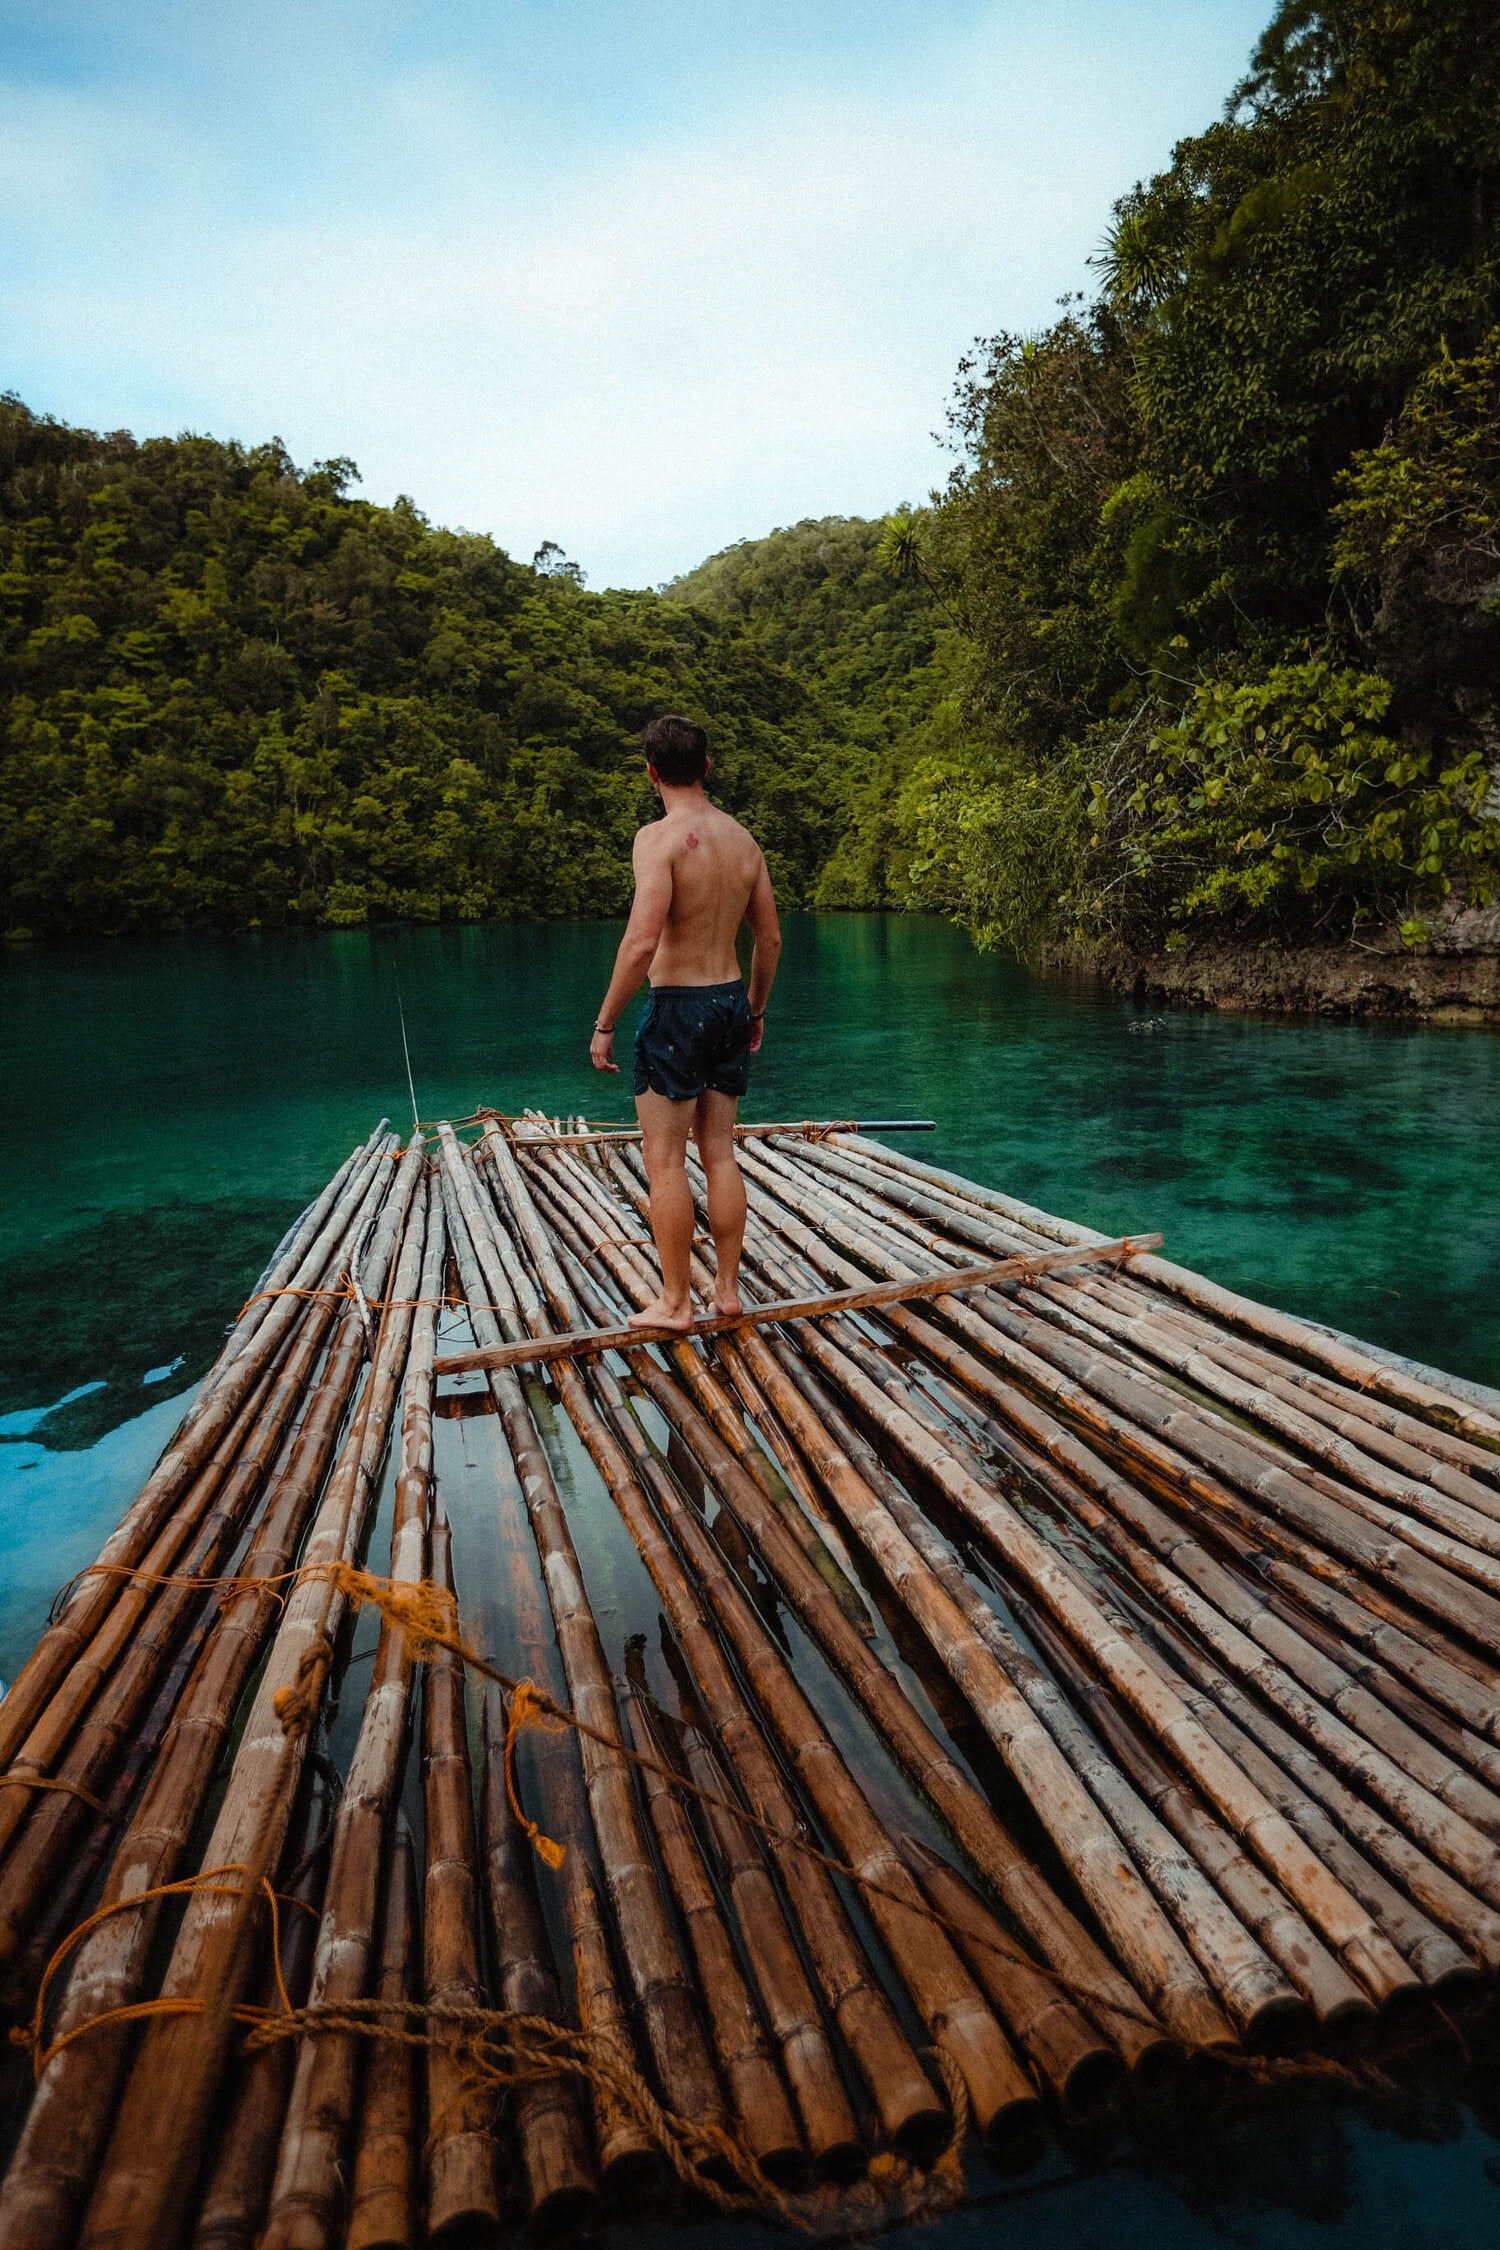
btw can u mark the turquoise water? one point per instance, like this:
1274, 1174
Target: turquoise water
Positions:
173, 1105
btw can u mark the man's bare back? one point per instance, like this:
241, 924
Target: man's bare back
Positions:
698, 876
713, 866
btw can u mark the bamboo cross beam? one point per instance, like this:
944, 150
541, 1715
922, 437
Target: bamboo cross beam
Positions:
809, 1127
582, 1342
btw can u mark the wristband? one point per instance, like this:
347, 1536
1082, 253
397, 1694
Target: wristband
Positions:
757, 1015
604, 1030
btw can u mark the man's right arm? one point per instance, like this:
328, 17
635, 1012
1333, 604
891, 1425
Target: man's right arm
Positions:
765, 930
648, 918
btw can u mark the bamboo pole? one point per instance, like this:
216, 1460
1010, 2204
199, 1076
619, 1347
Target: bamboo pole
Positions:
586, 1342
87, 1727
1415, 1446
631, 2169
72, 2109
239, 2180
1388, 1635
557, 2161
307, 2199
1197, 1909
1062, 1941
1175, 1986
1434, 1891
1434, 1896
1331, 1909
762, 2111
1440, 1897
534, 1124
1230, 1950
209, 1418
1461, 1909
910, 2114
136, 1621
562, 1212
1342, 2008
137, 2200
941, 1991
1087, 1836
1165, 1436
66, 1905
1387, 1466
1084, 2073
1306, 1664
1361, 1484
1399, 1751
1419, 1652
787, 1997
1353, 1413
940, 1987
1345, 1362
1410, 1641
674, 2037
383, 2187
1448, 1834
461, 2159
1139, 1931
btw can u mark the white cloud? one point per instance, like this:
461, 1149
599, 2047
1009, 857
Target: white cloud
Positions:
644, 349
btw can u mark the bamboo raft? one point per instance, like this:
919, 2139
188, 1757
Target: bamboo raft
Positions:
1175, 1621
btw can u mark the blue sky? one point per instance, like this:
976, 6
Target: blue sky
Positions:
640, 276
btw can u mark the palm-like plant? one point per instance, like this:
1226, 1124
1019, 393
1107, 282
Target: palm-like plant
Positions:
1139, 266
900, 551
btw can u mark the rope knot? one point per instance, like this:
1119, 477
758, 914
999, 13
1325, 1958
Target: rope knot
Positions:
296, 1706
527, 1710
426, 1613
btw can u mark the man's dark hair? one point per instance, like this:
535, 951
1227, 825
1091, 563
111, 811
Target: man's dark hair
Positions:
677, 749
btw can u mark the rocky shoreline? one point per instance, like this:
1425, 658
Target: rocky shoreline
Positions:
1453, 978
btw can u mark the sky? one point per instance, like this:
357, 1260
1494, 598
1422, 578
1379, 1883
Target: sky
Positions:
641, 277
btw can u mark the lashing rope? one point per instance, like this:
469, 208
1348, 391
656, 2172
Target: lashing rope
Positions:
428, 1618
528, 1710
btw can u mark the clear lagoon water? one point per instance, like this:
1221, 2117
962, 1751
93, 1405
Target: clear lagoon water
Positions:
174, 1104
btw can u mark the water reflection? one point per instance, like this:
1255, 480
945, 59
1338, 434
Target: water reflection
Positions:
1347, 1170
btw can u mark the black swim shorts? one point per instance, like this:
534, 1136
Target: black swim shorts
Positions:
692, 1038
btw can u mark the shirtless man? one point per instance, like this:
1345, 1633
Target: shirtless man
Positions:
698, 875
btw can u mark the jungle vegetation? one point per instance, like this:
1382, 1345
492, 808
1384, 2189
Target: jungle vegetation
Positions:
236, 695
1225, 540
1202, 635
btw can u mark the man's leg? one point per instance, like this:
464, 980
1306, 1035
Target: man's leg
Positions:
664, 1136
713, 1130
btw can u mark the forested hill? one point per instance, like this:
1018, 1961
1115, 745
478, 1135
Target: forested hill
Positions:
1225, 539
837, 603
1201, 639
236, 695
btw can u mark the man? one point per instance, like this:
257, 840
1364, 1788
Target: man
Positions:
698, 875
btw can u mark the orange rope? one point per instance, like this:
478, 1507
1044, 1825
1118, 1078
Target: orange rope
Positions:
427, 1615
55, 1781
207, 1880
527, 1711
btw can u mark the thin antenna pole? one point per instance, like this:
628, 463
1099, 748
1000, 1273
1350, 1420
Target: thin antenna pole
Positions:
406, 1051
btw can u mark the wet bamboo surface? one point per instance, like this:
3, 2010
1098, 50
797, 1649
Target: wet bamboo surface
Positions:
1012, 1672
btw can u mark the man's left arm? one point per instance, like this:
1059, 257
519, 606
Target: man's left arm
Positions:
648, 918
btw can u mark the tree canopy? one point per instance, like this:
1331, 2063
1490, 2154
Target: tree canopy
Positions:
235, 695
1202, 635
1224, 538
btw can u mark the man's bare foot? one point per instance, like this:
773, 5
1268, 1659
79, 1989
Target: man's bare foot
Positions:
660, 1314
728, 1306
